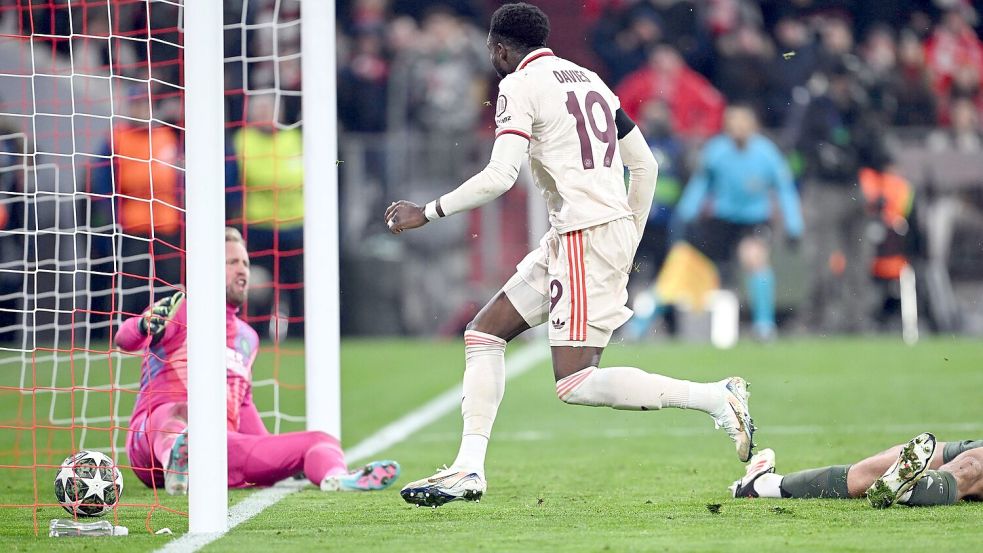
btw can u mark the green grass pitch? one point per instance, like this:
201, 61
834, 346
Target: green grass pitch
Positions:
565, 478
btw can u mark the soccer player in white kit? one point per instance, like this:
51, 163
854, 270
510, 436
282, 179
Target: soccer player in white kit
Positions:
578, 141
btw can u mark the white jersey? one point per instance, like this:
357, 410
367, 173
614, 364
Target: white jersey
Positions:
567, 113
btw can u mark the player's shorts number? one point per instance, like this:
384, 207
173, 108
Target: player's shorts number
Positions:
556, 291
608, 136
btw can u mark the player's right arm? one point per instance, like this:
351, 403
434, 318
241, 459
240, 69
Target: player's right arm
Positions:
493, 181
514, 116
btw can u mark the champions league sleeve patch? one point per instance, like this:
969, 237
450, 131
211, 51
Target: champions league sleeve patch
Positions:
513, 110
500, 109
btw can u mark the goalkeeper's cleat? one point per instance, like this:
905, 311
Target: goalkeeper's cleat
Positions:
762, 463
443, 487
904, 473
377, 475
735, 418
176, 475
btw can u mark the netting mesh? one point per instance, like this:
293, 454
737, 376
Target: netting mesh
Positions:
92, 217
264, 166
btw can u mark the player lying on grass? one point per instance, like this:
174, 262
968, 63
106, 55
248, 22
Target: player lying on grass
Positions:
579, 141
157, 439
920, 472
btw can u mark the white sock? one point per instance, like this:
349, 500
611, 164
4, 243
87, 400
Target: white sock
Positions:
484, 386
471, 456
769, 485
636, 390
707, 397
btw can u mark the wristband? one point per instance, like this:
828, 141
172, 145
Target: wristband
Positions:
432, 210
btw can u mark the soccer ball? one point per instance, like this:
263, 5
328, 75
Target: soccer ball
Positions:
88, 484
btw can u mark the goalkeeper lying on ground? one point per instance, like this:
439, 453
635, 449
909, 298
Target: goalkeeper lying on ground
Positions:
157, 440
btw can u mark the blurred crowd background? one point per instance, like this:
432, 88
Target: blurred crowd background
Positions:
811, 151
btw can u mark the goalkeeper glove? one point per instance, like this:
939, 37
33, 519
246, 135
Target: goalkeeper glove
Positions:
154, 320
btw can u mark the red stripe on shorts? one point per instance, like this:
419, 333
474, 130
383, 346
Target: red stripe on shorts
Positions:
573, 290
578, 286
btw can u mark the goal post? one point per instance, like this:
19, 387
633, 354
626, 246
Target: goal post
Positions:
205, 212
118, 127
321, 259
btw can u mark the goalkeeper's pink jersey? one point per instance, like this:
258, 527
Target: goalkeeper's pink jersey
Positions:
164, 375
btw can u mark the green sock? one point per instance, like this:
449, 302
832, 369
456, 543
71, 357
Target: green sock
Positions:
824, 482
953, 449
937, 487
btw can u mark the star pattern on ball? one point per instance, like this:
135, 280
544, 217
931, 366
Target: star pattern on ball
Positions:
88, 484
65, 473
96, 486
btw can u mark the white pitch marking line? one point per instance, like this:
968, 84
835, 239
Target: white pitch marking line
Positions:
386, 437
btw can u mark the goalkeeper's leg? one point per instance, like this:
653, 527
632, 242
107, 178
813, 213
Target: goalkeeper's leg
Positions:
159, 444
264, 460
164, 425
146, 436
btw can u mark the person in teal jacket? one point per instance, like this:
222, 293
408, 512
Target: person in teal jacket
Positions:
731, 196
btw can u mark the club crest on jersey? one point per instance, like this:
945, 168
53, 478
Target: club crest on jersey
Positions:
502, 104
558, 324
236, 363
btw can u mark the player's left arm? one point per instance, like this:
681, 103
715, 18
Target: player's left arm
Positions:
788, 196
643, 169
493, 181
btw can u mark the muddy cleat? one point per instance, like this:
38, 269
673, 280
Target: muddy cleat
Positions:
762, 463
176, 475
904, 473
445, 486
377, 475
735, 418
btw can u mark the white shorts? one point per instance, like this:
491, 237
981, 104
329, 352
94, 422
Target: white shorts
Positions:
577, 282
